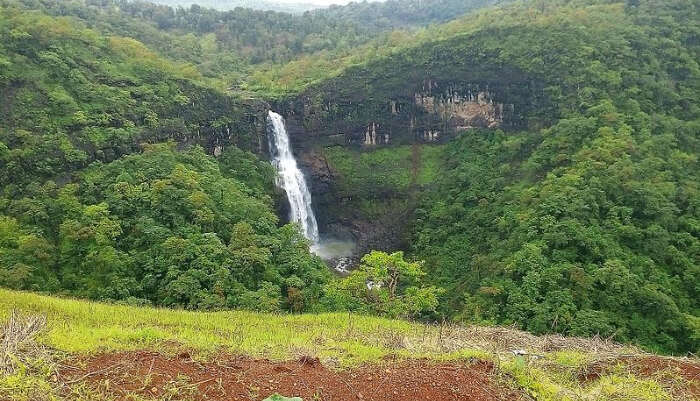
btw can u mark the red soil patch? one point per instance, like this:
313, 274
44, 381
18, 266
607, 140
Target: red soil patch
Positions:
230, 378
650, 366
653, 366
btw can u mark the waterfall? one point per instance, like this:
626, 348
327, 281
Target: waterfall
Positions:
290, 178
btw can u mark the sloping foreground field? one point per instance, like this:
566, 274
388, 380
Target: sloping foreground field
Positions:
60, 349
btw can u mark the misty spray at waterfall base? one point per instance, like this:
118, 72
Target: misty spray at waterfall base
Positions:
291, 179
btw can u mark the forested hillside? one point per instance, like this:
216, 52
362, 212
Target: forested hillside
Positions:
589, 226
159, 226
242, 47
531, 163
225, 5
382, 15
581, 218
71, 96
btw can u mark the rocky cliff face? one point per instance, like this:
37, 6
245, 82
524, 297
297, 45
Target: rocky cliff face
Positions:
244, 128
363, 195
429, 112
432, 111
416, 98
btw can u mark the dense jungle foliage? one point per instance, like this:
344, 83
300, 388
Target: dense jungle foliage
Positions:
583, 220
379, 16
226, 5
589, 226
159, 227
163, 227
71, 96
586, 227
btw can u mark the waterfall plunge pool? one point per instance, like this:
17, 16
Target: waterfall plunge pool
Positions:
339, 254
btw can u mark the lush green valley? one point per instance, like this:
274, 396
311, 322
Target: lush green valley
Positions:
529, 163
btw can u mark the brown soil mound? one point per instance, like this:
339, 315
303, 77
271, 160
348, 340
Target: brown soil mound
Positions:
648, 366
233, 378
651, 366
654, 366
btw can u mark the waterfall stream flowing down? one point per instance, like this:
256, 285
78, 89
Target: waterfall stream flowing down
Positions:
290, 178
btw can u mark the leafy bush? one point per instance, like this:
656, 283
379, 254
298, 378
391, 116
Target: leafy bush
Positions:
384, 284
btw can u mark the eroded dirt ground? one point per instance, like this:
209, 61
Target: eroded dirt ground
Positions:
665, 370
149, 375
152, 375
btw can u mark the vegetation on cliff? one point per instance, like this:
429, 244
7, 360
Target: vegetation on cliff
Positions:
586, 226
71, 96
80, 215
589, 226
251, 50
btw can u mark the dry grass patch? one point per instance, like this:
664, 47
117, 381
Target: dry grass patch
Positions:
18, 347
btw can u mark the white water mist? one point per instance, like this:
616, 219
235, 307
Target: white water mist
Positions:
290, 178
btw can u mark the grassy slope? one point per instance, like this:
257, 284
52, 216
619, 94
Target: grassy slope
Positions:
341, 340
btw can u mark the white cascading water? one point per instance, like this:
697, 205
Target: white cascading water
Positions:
290, 178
